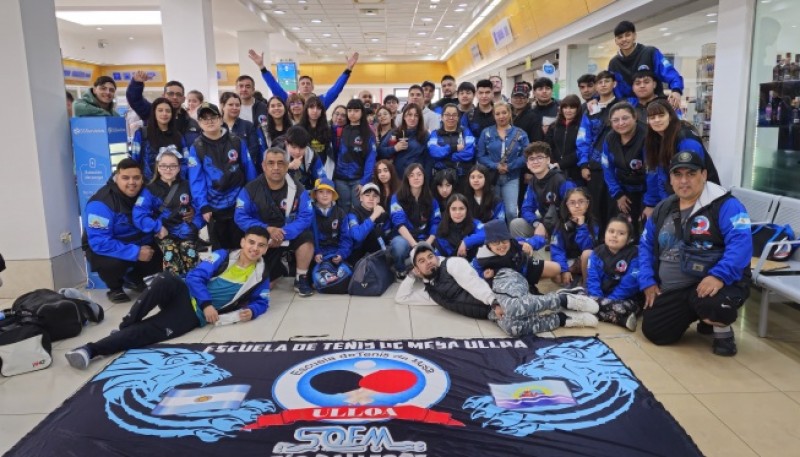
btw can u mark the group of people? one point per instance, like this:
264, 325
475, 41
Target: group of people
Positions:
461, 196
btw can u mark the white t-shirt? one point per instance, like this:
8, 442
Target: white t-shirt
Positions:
247, 111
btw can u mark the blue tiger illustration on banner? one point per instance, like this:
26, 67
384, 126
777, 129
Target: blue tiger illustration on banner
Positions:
136, 382
601, 384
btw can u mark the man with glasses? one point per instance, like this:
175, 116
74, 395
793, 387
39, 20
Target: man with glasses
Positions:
305, 85
119, 252
253, 110
589, 143
174, 92
544, 194
694, 259
280, 203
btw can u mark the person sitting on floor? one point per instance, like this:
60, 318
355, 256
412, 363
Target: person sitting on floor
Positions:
452, 284
229, 282
368, 222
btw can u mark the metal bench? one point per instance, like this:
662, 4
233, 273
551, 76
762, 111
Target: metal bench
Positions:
760, 206
784, 282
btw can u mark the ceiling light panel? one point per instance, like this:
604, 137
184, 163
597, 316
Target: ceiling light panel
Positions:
94, 18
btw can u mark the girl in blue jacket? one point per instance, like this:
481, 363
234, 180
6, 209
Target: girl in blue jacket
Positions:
412, 141
575, 236
159, 133
613, 276
165, 209
484, 204
356, 155
458, 233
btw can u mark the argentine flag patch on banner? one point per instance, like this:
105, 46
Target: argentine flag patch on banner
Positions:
186, 401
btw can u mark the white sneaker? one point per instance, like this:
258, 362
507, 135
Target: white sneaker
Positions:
582, 303
580, 319
630, 322
78, 358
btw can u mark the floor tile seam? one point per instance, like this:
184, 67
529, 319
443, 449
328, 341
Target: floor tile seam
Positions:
767, 381
632, 338
283, 318
721, 421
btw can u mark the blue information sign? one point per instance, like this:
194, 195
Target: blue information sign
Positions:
287, 76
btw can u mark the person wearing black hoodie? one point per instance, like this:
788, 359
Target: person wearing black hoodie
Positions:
562, 138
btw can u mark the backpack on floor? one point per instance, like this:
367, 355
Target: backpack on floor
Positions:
61, 317
329, 278
24, 346
767, 233
371, 275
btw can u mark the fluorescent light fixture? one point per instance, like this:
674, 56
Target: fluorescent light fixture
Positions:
462, 5
422, 33
316, 21
308, 40
374, 40
667, 33
111, 17
326, 35
99, 28
269, 2
459, 10
439, 38
130, 38
663, 29
279, 12
712, 21
449, 26
478, 20
334, 45
711, 14
295, 28
426, 19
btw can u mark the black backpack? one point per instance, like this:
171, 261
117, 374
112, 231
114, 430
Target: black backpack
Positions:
59, 316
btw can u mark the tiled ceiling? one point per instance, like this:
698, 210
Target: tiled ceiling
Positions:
391, 29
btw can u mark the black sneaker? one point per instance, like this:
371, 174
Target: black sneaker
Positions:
117, 296
303, 287
725, 347
704, 329
134, 285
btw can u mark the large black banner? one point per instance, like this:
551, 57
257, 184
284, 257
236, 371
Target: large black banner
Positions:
439, 397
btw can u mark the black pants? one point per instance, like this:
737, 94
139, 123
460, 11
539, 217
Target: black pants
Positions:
223, 231
369, 246
175, 317
602, 206
634, 213
673, 311
113, 271
272, 259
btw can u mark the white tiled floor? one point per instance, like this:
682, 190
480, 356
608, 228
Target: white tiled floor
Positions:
748, 405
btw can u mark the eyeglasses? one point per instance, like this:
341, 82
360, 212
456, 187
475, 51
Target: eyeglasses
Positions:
208, 119
537, 159
576, 203
450, 115
173, 94
168, 167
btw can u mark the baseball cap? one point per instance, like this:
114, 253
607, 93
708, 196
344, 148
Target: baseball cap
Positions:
206, 107
687, 159
370, 186
419, 248
521, 88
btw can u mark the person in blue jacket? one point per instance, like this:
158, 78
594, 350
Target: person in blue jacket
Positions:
305, 86
280, 203
231, 106
165, 210
356, 156
459, 234
576, 234
411, 141
219, 167
451, 146
331, 231
500, 148
666, 137
159, 134
305, 165
120, 253
174, 92
368, 223
633, 57
623, 162
613, 276
228, 287
694, 259
415, 216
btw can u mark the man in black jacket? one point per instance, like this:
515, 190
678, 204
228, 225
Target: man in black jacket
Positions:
253, 110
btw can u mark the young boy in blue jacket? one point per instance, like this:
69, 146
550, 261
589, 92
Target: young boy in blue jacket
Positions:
227, 282
331, 239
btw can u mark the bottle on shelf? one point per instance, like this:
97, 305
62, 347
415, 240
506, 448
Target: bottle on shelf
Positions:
778, 111
796, 112
786, 68
796, 67
768, 110
776, 70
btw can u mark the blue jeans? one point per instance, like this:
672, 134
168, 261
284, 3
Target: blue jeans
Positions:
346, 188
508, 190
400, 251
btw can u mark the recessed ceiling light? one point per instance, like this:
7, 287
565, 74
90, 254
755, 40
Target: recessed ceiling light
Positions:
433, 7
99, 28
712, 21
417, 44
449, 26
765, 1
439, 38
308, 40
279, 12
462, 5
334, 45
711, 14
130, 37
430, 53
667, 33
326, 35
341, 52
434, 1
295, 28
422, 33
269, 2
427, 19
459, 10
601, 47
374, 40
302, 2
316, 21
663, 29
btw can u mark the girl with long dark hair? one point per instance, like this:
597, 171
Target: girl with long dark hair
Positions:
412, 141
316, 124
385, 176
356, 155
484, 203
231, 106
575, 236
458, 233
278, 122
562, 137
158, 134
